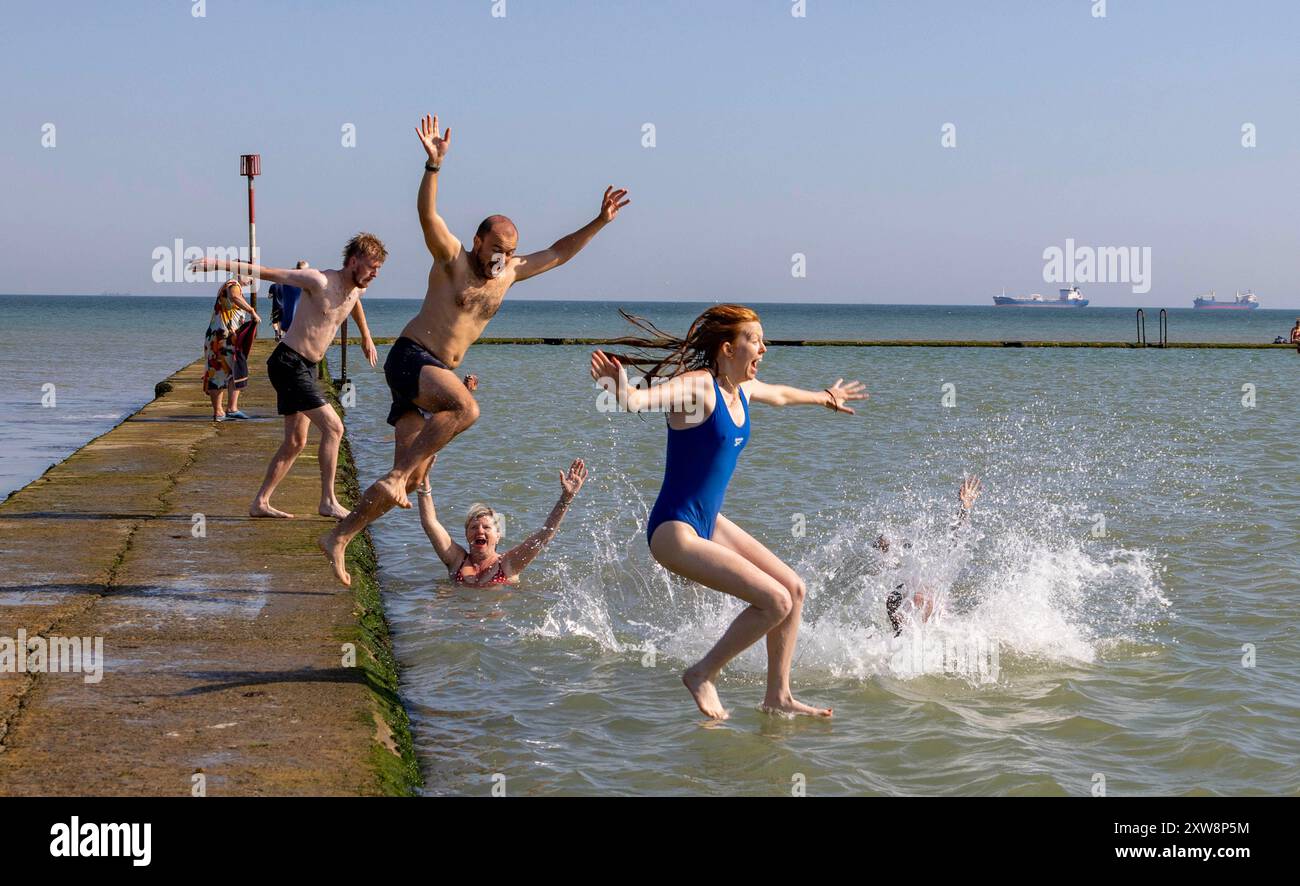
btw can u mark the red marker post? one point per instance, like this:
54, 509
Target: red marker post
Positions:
250, 166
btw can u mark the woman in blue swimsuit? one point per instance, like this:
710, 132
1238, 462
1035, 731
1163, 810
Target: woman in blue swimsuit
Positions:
712, 378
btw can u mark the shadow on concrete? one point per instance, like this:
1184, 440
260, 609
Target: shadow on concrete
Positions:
222, 680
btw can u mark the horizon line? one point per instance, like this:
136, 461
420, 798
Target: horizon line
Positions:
414, 298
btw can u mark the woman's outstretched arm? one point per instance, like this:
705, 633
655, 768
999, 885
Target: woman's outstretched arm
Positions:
448, 551
681, 393
527, 550
835, 397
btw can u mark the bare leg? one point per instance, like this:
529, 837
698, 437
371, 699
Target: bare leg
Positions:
215, 394
331, 434
780, 641
413, 480
295, 440
454, 410
435, 433
404, 435
234, 398
391, 489
679, 549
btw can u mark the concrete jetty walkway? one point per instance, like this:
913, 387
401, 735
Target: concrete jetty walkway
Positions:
225, 639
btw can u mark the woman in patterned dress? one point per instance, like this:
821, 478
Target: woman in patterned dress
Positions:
227, 359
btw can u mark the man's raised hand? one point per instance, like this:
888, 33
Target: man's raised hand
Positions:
610, 205
434, 145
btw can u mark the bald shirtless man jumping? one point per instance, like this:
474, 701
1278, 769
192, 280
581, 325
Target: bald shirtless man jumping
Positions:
431, 405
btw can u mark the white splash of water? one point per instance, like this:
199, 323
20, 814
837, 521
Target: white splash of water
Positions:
1013, 589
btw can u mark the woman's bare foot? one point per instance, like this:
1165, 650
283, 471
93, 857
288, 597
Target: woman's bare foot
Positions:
332, 509
789, 706
393, 488
264, 509
334, 550
705, 694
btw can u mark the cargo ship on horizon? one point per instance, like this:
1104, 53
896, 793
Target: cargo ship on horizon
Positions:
1244, 301
1069, 298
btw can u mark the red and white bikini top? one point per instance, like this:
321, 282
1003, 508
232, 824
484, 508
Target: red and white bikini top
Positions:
498, 578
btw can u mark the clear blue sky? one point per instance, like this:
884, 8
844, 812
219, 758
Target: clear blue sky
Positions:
775, 135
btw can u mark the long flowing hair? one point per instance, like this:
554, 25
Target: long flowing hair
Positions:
698, 350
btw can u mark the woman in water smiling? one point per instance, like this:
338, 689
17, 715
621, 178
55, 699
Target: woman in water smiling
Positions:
481, 565
712, 378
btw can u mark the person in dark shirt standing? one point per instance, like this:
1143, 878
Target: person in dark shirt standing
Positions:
284, 299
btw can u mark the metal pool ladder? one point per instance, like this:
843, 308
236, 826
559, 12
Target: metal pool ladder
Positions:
1142, 329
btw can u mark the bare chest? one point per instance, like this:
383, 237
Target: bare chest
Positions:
480, 299
336, 305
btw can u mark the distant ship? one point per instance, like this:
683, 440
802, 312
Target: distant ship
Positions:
1069, 298
1245, 301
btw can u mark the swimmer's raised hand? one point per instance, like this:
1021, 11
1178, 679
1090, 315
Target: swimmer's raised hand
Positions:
969, 491
573, 480
434, 145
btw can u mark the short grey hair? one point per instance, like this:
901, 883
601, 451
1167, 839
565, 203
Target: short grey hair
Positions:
477, 510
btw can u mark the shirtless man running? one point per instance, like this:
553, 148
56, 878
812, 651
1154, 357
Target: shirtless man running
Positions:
430, 404
327, 298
